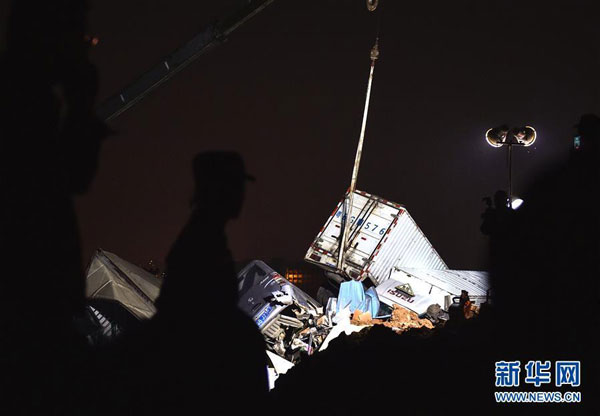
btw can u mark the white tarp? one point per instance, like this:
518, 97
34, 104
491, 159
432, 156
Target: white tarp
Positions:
109, 277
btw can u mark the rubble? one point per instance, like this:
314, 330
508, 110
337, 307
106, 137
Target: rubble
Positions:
436, 314
293, 324
364, 318
343, 325
403, 319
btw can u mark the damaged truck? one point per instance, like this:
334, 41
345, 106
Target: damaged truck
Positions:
386, 249
291, 321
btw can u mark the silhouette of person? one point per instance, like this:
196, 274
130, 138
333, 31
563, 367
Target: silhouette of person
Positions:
495, 216
210, 351
50, 141
496, 225
218, 197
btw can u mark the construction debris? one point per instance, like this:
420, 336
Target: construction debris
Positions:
436, 314
343, 325
292, 322
403, 319
295, 325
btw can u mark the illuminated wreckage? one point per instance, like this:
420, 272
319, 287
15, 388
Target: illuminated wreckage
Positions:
387, 270
391, 275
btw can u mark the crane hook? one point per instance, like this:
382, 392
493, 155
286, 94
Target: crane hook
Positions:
372, 4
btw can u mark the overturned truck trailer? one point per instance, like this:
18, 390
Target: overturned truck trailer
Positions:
387, 249
381, 235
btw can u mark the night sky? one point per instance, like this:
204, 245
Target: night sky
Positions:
287, 92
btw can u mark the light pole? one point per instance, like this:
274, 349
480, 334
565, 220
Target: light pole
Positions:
509, 137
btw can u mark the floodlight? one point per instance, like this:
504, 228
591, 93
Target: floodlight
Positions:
372, 4
516, 202
496, 136
505, 136
525, 135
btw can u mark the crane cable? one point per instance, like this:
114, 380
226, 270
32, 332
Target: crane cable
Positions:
349, 200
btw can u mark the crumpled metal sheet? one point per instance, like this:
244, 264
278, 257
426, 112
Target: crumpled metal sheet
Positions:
111, 278
291, 321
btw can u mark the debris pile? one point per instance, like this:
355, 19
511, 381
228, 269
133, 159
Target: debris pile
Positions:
364, 318
291, 321
390, 276
403, 319
295, 331
293, 324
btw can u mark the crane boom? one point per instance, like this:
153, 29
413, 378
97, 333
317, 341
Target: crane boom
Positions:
348, 201
210, 37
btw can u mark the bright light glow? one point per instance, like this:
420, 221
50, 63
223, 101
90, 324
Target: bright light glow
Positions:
527, 136
493, 138
372, 4
516, 203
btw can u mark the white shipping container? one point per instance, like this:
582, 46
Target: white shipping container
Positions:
382, 236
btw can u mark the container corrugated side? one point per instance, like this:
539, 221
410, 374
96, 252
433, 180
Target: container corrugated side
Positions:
405, 246
382, 235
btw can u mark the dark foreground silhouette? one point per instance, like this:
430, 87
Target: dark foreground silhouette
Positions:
49, 142
199, 352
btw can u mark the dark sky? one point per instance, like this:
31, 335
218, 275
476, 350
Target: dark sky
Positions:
287, 91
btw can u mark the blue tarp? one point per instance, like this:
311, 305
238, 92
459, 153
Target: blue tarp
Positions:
352, 294
371, 294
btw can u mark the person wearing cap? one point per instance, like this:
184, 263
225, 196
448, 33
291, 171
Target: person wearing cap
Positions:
199, 325
200, 259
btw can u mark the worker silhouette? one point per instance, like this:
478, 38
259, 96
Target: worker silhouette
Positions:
496, 215
496, 220
50, 141
201, 248
210, 350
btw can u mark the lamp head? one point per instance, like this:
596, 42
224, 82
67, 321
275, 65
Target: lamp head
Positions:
496, 136
515, 202
525, 135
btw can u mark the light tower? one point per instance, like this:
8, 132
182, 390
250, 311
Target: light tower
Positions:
509, 137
